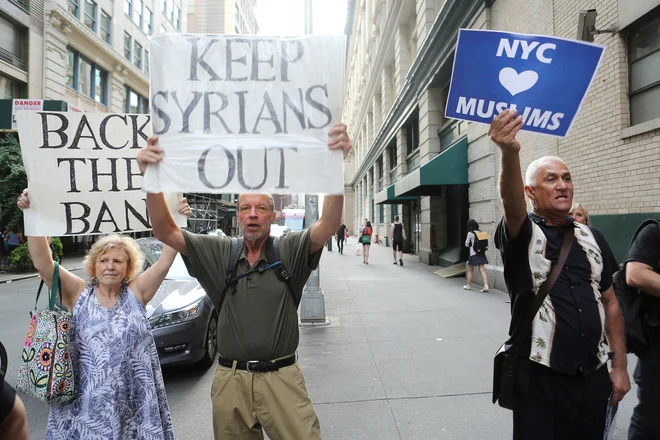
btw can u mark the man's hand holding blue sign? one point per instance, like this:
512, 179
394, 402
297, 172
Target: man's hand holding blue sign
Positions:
544, 78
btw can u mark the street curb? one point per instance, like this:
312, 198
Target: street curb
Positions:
30, 276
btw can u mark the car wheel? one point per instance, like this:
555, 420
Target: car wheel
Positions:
210, 341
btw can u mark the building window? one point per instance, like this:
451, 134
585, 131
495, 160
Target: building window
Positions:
128, 45
128, 7
11, 89
90, 14
74, 7
137, 55
137, 13
165, 6
162, 29
106, 27
147, 21
100, 80
412, 134
136, 103
177, 17
644, 59
146, 62
169, 13
70, 68
85, 72
12, 39
86, 77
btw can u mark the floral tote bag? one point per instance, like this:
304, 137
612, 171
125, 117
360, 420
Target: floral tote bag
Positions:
45, 369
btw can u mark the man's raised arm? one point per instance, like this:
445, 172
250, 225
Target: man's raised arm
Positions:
503, 132
164, 227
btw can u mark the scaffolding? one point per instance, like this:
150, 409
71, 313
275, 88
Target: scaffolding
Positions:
212, 211
209, 211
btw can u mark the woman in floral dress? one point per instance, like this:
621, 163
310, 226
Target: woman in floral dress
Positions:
119, 387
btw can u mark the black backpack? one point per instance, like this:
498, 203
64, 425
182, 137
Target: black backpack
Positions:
638, 308
480, 242
274, 263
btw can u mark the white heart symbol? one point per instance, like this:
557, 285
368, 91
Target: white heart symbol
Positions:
516, 82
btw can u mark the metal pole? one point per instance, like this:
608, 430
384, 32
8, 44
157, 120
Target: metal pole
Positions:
312, 303
309, 27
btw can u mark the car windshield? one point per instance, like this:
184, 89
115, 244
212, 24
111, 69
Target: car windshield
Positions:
178, 270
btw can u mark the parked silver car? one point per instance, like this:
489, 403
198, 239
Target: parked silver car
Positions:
182, 317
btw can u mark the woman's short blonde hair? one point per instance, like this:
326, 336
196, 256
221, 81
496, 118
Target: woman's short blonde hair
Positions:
135, 258
586, 213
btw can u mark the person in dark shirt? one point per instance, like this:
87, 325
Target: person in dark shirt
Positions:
13, 418
397, 235
341, 234
562, 381
642, 273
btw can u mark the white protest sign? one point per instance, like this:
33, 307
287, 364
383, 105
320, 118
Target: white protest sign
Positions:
82, 173
239, 113
24, 104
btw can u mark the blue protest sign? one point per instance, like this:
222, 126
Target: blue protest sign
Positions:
544, 78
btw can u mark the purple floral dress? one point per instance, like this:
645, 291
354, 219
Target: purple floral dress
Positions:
120, 393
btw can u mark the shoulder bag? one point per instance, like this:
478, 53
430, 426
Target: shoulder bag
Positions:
504, 369
45, 369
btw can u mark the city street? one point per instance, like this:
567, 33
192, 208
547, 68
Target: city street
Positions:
407, 355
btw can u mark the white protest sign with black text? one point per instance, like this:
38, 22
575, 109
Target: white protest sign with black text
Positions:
82, 173
238, 113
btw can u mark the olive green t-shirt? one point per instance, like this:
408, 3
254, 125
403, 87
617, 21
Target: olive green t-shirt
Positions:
259, 319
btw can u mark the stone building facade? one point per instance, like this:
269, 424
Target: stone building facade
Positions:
93, 54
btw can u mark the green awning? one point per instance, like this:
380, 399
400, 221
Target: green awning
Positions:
387, 196
447, 168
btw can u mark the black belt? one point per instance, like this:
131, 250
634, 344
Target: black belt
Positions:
258, 366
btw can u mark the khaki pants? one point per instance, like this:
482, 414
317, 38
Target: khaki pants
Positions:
245, 402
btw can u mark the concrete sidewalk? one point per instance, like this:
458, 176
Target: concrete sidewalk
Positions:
71, 263
407, 354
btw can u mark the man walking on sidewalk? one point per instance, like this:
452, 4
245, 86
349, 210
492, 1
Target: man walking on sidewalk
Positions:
562, 384
341, 235
258, 383
397, 235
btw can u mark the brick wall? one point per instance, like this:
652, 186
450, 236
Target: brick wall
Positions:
612, 175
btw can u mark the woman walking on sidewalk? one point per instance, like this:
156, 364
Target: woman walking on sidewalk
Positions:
365, 239
477, 259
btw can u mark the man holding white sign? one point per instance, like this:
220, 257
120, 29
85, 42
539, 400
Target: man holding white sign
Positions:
258, 383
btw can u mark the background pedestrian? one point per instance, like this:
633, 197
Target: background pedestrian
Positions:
476, 259
365, 239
